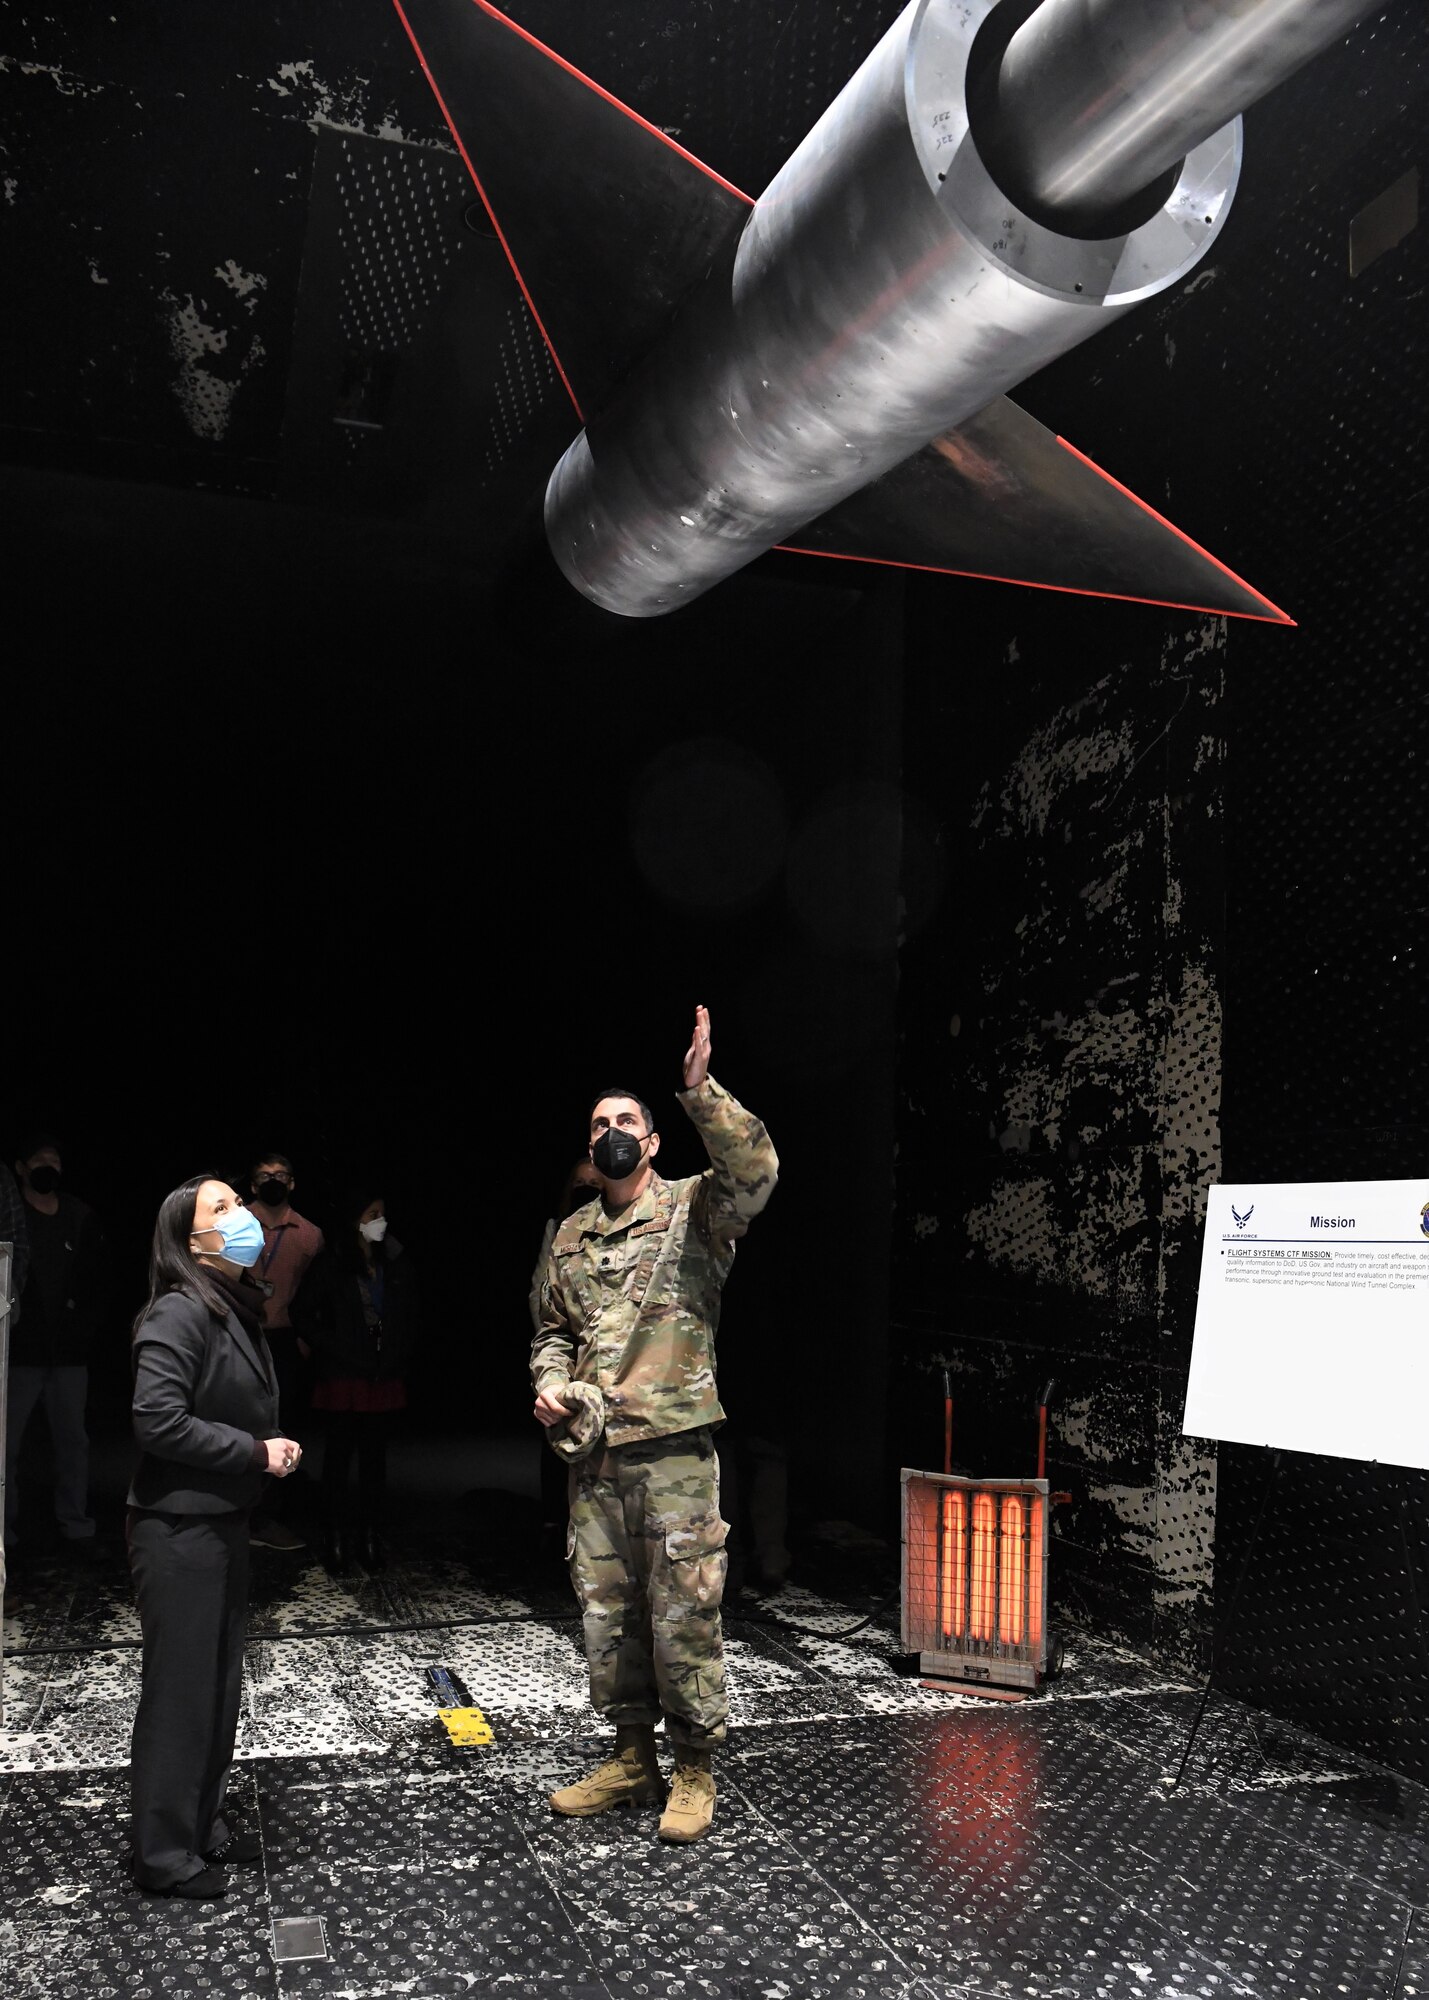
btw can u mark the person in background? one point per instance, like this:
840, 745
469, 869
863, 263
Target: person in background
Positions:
582, 1185
50, 1346
754, 1473
206, 1423
290, 1243
15, 1231
358, 1312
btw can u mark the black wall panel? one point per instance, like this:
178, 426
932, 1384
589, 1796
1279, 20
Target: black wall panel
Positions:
1277, 407
1060, 1076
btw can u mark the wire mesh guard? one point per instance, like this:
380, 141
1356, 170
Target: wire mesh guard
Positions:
975, 1577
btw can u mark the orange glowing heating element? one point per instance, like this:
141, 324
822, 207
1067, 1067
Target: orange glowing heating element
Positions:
984, 1565
1012, 1572
952, 1581
975, 1576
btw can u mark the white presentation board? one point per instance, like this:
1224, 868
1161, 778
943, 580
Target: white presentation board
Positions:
1312, 1323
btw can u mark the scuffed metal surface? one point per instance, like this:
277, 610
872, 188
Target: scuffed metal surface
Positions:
1083, 1073
213, 361
158, 209
348, 102
139, 159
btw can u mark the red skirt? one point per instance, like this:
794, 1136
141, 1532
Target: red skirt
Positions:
356, 1393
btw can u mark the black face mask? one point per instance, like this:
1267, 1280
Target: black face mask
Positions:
616, 1154
272, 1193
44, 1180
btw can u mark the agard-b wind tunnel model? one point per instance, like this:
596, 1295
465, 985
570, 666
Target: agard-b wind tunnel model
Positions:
826, 368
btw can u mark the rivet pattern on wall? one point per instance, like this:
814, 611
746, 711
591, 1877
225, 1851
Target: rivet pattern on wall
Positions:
395, 249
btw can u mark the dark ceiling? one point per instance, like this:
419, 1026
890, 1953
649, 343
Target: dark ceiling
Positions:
252, 260
244, 238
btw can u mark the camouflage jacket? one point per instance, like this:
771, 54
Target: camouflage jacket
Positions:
630, 1302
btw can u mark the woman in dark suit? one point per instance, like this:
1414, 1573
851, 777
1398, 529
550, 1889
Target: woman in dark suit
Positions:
206, 1421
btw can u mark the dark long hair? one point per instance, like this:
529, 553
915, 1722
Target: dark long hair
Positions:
172, 1265
344, 1243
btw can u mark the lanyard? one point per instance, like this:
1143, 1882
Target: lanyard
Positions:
280, 1229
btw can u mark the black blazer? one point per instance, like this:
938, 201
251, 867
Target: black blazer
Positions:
204, 1391
328, 1313
64, 1341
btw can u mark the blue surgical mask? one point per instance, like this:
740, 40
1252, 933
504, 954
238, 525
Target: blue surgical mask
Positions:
242, 1235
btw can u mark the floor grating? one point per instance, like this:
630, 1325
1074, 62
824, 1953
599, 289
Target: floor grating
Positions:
875, 1840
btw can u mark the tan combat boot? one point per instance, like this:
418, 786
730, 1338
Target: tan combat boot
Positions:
630, 1778
691, 1806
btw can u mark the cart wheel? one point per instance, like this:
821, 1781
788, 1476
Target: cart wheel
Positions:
1056, 1653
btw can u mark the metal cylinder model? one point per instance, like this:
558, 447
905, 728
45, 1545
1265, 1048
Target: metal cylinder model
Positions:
883, 290
1094, 99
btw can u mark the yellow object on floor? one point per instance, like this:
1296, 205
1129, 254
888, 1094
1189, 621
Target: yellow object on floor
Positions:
468, 1728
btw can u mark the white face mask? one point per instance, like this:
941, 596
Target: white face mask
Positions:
374, 1231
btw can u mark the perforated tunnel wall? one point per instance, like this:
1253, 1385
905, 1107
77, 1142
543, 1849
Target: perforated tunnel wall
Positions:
420, 378
1292, 799
1060, 1111
1326, 1072
229, 251
1327, 1063
394, 247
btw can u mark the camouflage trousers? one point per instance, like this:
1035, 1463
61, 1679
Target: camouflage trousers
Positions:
647, 1561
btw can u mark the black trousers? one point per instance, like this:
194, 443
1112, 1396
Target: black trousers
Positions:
362, 1434
191, 1581
754, 1498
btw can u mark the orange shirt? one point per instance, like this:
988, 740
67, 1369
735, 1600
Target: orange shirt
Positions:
289, 1246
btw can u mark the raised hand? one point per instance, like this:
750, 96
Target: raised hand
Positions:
697, 1055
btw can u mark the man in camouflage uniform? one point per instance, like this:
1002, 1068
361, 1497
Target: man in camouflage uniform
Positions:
629, 1302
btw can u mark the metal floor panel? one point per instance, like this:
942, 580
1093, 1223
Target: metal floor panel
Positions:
1414, 1966
1367, 1822
874, 1841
